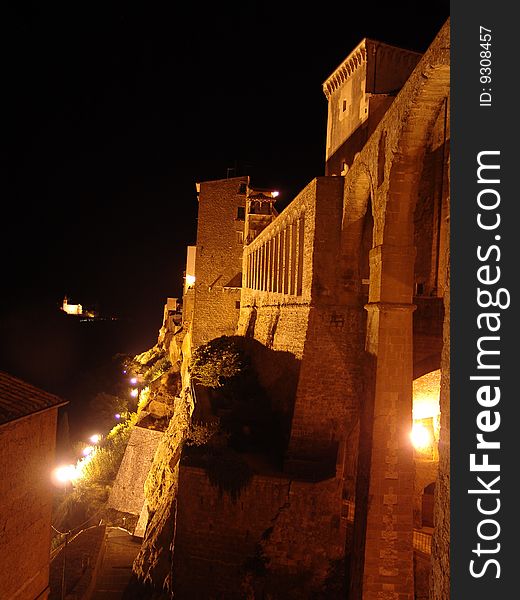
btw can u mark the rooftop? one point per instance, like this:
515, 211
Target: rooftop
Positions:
354, 60
19, 399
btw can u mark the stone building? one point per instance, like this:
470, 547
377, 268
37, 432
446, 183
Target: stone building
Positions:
343, 300
28, 418
218, 258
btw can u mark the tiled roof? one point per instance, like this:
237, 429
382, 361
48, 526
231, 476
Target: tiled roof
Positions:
19, 399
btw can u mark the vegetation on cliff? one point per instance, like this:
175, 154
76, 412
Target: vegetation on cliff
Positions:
215, 363
95, 473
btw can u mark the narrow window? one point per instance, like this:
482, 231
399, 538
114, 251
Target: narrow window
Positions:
301, 239
241, 213
344, 105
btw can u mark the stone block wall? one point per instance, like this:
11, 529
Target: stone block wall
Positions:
26, 489
358, 92
218, 263
431, 226
127, 494
440, 573
292, 528
306, 320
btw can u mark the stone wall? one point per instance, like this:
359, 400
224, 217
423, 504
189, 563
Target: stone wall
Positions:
342, 376
359, 92
440, 574
291, 303
218, 263
386, 177
153, 563
26, 463
127, 494
276, 528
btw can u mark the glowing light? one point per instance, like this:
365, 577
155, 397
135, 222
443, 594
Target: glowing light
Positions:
117, 416
426, 392
79, 469
190, 280
275, 194
64, 474
134, 392
133, 380
421, 437
71, 309
95, 438
87, 450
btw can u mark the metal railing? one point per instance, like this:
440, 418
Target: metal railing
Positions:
422, 541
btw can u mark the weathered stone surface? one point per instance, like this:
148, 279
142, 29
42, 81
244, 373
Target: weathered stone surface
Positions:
289, 528
26, 463
153, 563
127, 494
340, 375
440, 575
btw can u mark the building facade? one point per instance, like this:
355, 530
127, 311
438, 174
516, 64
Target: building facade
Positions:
343, 298
28, 418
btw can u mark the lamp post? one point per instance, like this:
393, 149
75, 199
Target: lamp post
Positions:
137, 386
63, 572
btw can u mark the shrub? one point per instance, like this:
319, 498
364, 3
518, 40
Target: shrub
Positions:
219, 360
199, 434
99, 471
159, 367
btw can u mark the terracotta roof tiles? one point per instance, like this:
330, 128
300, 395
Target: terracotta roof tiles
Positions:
20, 399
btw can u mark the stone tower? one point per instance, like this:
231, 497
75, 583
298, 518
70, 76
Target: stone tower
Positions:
218, 262
359, 93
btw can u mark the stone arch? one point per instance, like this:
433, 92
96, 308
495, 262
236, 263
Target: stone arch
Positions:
428, 495
429, 364
407, 144
357, 215
386, 455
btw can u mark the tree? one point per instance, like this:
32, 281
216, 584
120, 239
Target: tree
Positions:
214, 363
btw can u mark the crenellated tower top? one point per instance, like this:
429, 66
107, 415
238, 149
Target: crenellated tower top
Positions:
359, 91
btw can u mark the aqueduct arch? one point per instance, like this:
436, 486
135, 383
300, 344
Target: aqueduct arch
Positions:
384, 495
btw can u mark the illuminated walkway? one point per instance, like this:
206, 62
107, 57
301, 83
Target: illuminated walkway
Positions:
116, 568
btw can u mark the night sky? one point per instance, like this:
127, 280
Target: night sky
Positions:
114, 110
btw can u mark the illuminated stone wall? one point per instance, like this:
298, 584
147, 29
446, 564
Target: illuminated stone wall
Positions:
342, 307
292, 302
359, 92
218, 262
440, 574
221, 544
26, 489
387, 178
127, 495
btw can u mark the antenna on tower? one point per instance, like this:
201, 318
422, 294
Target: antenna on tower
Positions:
233, 170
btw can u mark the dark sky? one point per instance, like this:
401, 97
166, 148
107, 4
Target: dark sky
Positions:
113, 110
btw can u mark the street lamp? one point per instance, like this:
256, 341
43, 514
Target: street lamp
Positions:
64, 474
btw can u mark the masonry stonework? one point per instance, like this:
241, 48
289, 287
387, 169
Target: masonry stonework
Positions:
26, 462
218, 262
342, 303
290, 526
